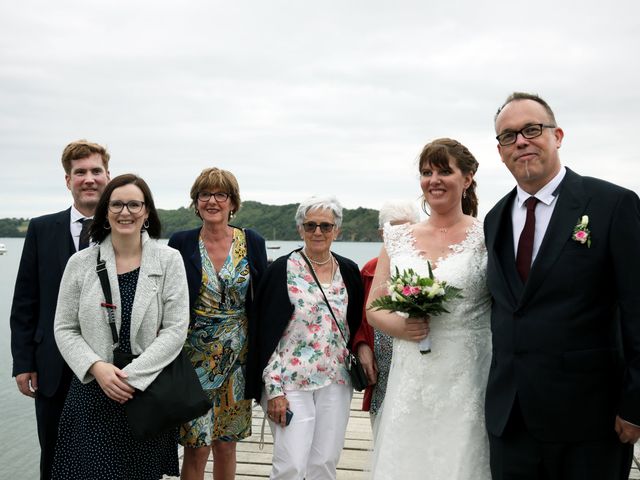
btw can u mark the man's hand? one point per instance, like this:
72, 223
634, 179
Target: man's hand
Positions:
112, 381
365, 354
27, 383
627, 432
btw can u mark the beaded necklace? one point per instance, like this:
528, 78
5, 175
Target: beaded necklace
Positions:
333, 266
322, 262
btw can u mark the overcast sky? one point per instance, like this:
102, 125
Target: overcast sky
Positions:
298, 98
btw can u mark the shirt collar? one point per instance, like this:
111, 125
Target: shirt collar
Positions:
546, 194
76, 215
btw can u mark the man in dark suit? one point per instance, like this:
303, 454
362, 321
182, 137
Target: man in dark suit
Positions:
38, 367
563, 396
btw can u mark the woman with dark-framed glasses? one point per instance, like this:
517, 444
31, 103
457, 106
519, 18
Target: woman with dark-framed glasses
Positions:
149, 290
224, 264
309, 306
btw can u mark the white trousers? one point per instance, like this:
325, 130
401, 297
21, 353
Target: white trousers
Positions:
310, 446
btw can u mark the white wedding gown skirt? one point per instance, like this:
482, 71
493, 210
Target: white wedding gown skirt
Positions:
432, 420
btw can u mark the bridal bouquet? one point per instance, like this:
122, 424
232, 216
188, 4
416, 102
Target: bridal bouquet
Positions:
411, 295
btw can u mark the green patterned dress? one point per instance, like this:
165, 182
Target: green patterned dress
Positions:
217, 346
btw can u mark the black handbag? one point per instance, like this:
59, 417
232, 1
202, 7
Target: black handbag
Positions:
352, 362
173, 398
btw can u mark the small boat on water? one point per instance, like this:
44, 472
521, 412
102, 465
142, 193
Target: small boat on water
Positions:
3, 249
273, 247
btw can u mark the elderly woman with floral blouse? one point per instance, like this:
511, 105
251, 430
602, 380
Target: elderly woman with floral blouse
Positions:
298, 363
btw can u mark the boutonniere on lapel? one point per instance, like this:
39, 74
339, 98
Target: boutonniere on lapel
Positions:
581, 232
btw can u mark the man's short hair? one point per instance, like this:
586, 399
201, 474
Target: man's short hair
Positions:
527, 96
82, 149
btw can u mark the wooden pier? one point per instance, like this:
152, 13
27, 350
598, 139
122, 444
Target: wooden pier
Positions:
254, 463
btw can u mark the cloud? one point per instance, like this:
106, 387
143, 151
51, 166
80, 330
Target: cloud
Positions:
298, 98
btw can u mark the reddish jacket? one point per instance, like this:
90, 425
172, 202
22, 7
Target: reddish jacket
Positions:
365, 332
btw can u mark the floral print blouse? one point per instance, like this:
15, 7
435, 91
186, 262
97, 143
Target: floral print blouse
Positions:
311, 352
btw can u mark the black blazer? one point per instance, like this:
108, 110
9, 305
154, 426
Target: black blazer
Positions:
275, 310
556, 342
47, 247
186, 242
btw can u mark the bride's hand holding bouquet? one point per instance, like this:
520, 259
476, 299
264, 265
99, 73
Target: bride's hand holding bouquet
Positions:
416, 298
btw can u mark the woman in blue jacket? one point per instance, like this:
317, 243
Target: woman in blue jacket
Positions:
223, 265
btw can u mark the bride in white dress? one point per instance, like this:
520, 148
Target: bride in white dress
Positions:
432, 419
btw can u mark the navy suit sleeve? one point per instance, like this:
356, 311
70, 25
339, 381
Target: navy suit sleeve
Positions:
25, 307
625, 247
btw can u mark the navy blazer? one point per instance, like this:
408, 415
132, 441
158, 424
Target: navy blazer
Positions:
47, 248
186, 242
556, 342
274, 311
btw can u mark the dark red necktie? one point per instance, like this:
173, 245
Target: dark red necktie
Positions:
525, 245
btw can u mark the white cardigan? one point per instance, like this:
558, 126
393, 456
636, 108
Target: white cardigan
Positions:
159, 316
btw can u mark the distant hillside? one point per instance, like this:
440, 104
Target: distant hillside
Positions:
13, 227
274, 222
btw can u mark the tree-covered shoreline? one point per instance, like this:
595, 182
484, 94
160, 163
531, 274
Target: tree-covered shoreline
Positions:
274, 222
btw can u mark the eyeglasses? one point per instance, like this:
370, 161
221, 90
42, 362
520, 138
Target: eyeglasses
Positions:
134, 206
310, 227
218, 196
529, 132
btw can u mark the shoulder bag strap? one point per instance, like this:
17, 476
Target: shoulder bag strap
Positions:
313, 273
101, 270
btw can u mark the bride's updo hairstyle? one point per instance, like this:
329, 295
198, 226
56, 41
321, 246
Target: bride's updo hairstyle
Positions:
439, 153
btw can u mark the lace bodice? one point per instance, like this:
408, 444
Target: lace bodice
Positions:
432, 420
465, 267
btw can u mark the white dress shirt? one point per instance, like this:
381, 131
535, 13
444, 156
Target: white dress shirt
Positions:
75, 226
548, 198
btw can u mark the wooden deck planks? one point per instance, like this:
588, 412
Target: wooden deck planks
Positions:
255, 463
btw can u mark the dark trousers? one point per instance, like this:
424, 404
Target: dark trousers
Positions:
516, 455
48, 411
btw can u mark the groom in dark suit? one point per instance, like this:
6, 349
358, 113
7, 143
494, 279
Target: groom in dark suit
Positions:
563, 396
40, 371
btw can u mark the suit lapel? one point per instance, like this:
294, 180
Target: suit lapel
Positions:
499, 236
63, 240
572, 202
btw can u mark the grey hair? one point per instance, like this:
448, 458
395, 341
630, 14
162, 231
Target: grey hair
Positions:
319, 203
398, 211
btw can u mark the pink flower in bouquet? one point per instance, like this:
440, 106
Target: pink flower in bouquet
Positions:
410, 290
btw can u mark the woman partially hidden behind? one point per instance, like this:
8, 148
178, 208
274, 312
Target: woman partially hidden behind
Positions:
299, 361
432, 420
149, 289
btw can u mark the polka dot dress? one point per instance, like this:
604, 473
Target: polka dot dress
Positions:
94, 438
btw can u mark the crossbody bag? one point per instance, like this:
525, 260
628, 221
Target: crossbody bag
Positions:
173, 398
352, 362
